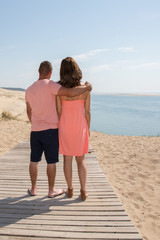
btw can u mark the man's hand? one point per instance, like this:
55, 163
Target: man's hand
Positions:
89, 86
29, 111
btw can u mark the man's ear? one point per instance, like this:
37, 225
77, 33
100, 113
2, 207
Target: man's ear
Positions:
49, 74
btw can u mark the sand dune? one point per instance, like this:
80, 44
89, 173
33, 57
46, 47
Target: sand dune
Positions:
131, 164
13, 102
13, 131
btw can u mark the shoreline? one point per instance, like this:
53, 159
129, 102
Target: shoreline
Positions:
96, 93
158, 135
129, 94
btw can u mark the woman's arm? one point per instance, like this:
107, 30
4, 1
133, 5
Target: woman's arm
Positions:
59, 106
72, 92
87, 110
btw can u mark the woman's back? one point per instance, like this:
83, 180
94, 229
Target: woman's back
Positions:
73, 129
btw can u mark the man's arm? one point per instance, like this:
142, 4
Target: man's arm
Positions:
72, 92
29, 111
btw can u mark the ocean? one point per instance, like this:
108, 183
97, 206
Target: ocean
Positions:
126, 114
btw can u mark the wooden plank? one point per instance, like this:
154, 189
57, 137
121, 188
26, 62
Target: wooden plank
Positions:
109, 192
107, 229
69, 235
66, 217
66, 213
8, 221
67, 208
7, 237
44, 185
93, 199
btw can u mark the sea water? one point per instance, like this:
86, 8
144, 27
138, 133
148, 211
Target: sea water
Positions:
126, 114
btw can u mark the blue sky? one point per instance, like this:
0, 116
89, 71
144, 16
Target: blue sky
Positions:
115, 42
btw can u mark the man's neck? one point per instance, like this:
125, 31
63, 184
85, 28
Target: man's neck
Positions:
43, 77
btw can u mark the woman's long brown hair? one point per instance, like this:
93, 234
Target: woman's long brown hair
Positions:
70, 73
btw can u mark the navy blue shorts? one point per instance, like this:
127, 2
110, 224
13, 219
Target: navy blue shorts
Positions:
45, 141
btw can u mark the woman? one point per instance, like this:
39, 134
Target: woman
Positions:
74, 126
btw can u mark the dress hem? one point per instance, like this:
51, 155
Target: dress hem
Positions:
73, 155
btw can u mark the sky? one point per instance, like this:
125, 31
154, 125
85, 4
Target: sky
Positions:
116, 43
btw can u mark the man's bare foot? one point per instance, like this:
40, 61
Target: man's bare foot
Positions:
55, 193
32, 192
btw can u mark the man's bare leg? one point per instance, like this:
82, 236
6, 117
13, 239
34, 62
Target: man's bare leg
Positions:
51, 173
33, 171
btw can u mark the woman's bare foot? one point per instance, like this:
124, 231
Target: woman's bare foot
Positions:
70, 192
84, 195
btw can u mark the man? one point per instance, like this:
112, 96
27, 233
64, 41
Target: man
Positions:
41, 111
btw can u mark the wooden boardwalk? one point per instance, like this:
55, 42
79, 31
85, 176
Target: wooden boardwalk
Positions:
102, 216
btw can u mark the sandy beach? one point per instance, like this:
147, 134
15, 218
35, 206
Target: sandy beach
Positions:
131, 164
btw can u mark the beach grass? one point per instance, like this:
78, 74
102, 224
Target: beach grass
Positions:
7, 116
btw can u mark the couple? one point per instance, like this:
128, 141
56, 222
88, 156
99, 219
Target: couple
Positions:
60, 120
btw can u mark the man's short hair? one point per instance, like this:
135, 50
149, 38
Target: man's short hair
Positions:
45, 68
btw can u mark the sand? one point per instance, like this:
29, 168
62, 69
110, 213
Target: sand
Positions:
131, 164
12, 132
13, 102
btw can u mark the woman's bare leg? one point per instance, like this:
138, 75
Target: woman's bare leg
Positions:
67, 167
82, 171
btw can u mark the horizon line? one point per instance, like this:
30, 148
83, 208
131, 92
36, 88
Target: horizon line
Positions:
96, 93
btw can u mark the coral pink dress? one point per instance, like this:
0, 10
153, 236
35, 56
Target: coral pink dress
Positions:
73, 128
